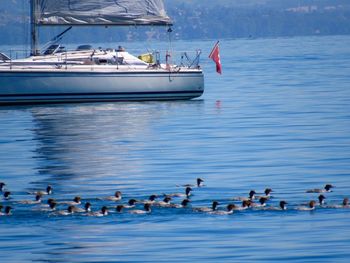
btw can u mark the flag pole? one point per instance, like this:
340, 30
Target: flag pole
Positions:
215, 56
211, 53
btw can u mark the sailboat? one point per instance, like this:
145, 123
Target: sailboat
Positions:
87, 74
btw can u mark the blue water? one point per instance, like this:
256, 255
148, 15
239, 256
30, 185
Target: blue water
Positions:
279, 116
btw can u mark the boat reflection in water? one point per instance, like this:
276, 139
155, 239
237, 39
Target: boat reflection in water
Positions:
102, 143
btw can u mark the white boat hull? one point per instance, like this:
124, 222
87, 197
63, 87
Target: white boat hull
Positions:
59, 86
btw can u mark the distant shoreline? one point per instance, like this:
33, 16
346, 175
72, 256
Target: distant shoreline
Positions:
198, 20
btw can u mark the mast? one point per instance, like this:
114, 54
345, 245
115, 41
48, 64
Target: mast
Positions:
33, 29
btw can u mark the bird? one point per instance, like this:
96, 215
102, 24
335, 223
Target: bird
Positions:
321, 199
150, 200
164, 203
326, 189
69, 211
86, 209
230, 208
282, 206
49, 201
207, 209
311, 206
119, 208
2, 186
187, 193
7, 195
7, 211
117, 197
199, 183
76, 201
131, 203
262, 202
245, 205
251, 196
32, 202
52, 206
48, 191
344, 204
102, 212
47, 208
147, 210
183, 204
267, 193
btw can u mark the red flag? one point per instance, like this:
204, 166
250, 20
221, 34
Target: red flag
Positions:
215, 56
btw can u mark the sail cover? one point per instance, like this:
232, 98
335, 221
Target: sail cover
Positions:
100, 12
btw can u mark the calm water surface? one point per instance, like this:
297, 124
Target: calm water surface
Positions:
278, 117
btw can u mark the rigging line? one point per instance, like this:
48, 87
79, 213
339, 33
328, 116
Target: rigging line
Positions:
116, 2
147, 9
43, 5
170, 30
25, 27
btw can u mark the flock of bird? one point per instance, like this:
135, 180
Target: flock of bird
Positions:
115, 202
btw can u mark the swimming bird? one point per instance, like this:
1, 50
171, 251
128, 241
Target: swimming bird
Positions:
7, 195
164, 203
103, 212
321, 199
246, 204
52, 206
7, 211
262, 202
267, 193
199, 183
32, 202
282, 207
150, 200
131, 203
187, 193
76, 201
230, 208
311, 206
51, 200
86, 209
119, 208
207, 209
344, 204
117, 197
69, 211
48, 191
47, 208
2, 186
326, 189
147, 210
183, 204
250, 197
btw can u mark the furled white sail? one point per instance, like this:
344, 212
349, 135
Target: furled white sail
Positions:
100, 12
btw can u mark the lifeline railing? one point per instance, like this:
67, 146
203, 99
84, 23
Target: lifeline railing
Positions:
187, 59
